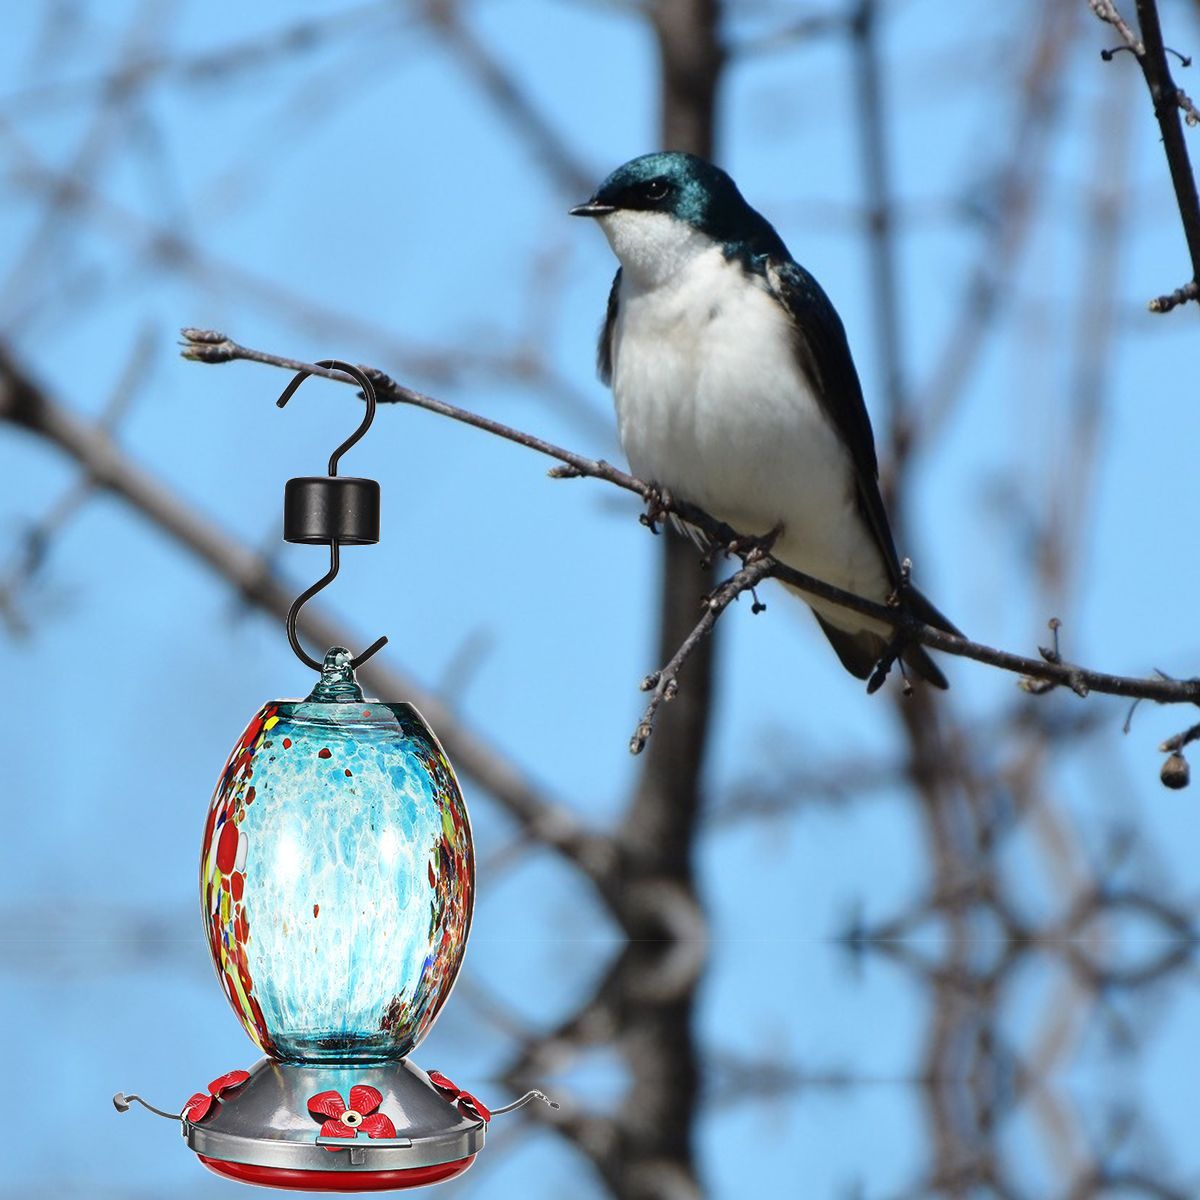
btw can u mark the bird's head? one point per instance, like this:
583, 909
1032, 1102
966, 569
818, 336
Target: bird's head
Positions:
660, 210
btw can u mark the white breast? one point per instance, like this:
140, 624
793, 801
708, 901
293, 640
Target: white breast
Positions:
711, 405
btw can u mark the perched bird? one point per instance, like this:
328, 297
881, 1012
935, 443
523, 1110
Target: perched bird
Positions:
735, 390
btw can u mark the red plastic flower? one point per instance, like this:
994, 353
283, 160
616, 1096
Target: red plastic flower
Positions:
344, 1120
467, 1104
199, 1105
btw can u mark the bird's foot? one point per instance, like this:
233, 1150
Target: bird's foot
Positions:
659, 505
896, 599
883, 667
751, 549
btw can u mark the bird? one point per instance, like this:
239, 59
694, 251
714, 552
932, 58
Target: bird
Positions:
736, 391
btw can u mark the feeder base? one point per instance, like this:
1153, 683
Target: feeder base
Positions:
336, 1181
308, 1128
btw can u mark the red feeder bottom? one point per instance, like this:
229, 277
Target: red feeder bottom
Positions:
337, 1181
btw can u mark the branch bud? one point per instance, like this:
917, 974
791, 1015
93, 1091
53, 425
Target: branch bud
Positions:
1175, 772
207, 346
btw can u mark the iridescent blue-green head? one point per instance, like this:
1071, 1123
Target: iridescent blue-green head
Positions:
660, 209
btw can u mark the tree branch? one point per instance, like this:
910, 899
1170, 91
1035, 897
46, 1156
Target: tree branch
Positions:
665, 683
1168, 98
212, 347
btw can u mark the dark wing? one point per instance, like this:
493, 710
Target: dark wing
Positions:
824, 355
604, 350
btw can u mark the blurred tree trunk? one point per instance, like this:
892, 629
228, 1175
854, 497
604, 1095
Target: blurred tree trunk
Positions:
663, 916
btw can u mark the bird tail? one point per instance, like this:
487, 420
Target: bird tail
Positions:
860, 650
915, 655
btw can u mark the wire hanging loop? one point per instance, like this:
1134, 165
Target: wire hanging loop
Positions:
368, 389
331, 509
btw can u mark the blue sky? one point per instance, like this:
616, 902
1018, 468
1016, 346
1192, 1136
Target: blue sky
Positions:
371, 177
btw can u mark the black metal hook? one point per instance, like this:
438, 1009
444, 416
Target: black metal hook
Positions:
331, 510
362, 379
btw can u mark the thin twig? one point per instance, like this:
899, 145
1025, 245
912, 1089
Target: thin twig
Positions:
1174, 744
212, 347
1107, 11
1181, 295
665, 682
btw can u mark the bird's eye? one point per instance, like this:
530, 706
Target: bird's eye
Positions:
656, 189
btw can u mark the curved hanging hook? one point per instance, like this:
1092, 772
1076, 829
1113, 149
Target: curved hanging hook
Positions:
304, 597
363, 381
334, 546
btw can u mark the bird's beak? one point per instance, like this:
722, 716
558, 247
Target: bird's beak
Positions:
593, 208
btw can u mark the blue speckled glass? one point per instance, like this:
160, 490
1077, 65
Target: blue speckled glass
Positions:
337, 875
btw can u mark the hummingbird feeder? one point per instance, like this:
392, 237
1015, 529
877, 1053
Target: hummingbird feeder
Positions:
337, 880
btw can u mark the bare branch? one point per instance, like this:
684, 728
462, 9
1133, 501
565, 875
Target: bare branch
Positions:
1107, 11
1181, 739
665, 682
1151, 55
1181, 295
210, 346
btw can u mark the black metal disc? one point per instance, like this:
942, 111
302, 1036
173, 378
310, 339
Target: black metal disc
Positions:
320, 509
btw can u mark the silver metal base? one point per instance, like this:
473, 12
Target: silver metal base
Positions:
266, 1123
